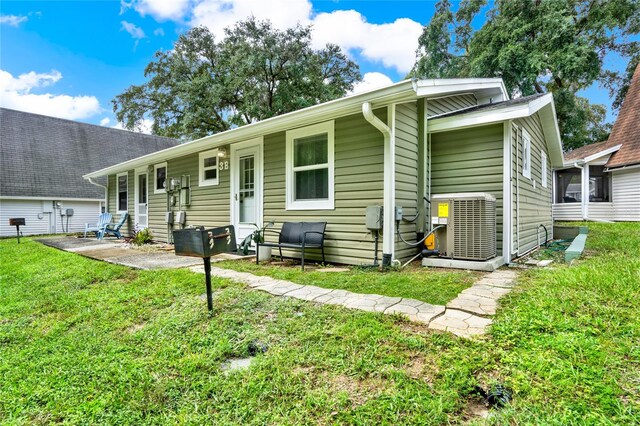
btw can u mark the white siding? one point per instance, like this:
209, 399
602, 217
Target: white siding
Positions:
600, 211
568, 211
38, 222
626, 195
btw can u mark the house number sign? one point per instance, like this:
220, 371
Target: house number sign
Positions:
224, 165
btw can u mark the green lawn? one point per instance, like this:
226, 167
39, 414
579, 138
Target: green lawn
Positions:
415, 282
85, 342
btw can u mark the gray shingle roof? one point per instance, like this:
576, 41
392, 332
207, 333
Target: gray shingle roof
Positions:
44, 156
495, 105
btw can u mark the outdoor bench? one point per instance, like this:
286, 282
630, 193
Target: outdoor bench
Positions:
298, 235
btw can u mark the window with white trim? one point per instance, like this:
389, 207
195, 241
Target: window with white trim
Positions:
526, 154
122, 183
159, 178
208, 168
310, 167
543, 162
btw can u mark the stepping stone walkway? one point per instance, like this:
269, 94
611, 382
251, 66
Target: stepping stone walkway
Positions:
464, 316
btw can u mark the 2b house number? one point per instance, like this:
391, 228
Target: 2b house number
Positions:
224, 165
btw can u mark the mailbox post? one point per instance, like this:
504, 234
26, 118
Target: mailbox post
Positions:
204, 243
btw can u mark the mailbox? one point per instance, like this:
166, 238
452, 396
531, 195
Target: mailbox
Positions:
200, 242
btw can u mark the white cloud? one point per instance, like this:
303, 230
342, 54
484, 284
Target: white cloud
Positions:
158, 32
161, 10
219, 14
105, 121
392, 44
12, 20
134, 31
370, 81
15, 93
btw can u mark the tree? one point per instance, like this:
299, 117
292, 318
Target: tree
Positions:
202, 86
538, 46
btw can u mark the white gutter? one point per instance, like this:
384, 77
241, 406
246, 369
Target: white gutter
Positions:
388, 224
106, 191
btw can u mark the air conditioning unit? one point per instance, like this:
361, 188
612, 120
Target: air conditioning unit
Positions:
469, 225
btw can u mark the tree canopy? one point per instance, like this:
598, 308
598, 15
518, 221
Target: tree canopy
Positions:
204, 86
538, 46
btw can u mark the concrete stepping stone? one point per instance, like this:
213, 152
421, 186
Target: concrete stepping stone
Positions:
460, 323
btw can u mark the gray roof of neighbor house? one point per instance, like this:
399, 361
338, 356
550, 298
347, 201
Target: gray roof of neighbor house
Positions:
44, 156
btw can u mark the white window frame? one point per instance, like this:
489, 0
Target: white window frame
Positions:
155, 178
544, 168
526, 154
208, 154
316, 129
125, 174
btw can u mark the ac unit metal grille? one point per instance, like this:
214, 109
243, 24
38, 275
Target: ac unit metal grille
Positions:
474, 229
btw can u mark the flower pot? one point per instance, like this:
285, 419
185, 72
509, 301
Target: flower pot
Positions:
264, 253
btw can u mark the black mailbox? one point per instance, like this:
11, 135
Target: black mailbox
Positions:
16, 221
204, 243
200, 242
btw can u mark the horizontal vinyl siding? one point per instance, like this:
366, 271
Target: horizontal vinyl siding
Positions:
406, 174
450, 103
28, 209
535, 203
83, 212
567, 211
359, 177
626, 195
469, 160
601, 211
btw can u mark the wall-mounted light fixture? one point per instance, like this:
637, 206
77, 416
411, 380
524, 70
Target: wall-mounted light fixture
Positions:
222, 152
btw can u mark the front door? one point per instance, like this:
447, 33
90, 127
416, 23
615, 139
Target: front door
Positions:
141, 200
246, 187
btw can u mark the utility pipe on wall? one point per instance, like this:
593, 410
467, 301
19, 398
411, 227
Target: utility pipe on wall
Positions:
388, 224
106, 192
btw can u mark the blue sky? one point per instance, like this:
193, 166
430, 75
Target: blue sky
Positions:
70, 58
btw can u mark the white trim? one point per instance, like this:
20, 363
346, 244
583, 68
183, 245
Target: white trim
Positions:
201, 168
544, 167
11, 197
118, 192
602, 153
390, 195
259, 183
403, 91
526, 154
585, 192
507, 208
136, 192
320, 204
155, 177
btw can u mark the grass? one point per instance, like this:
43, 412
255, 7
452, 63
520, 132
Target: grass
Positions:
85, 342
415, 282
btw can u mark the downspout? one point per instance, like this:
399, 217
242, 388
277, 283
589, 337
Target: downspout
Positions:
106, 191
388, 224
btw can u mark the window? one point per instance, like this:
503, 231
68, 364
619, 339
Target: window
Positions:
526, 154
569, 186
309, 179
599, 185
123, 192
209, 168
160, 178
543, 161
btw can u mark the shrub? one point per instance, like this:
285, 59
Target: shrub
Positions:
142, 236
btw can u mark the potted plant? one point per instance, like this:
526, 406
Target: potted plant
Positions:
257, 237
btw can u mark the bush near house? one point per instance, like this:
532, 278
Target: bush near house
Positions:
84, 342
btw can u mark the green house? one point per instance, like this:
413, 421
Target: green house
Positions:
396, 146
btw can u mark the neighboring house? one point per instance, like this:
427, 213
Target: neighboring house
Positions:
601, 181
42, 160
390, 147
